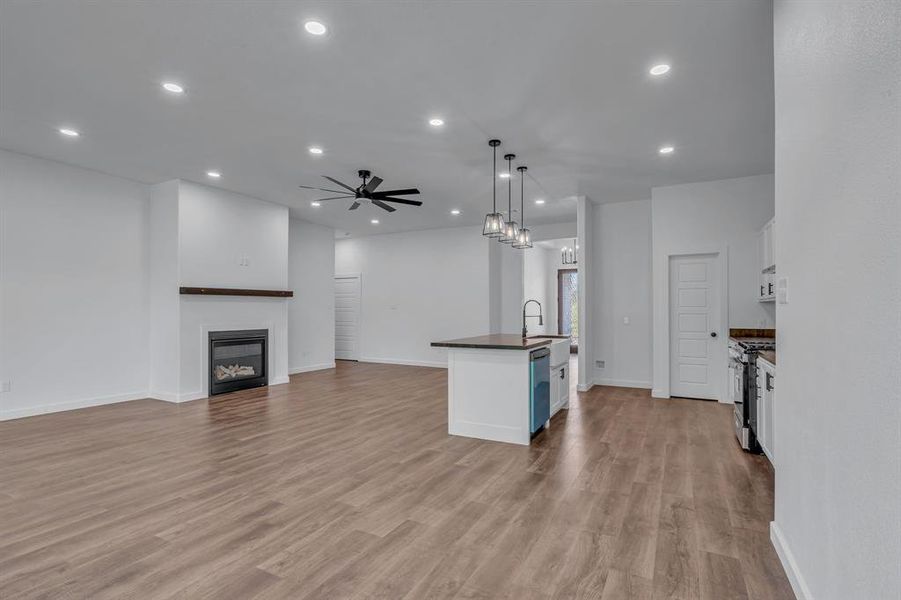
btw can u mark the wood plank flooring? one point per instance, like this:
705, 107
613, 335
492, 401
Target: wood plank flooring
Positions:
345, 484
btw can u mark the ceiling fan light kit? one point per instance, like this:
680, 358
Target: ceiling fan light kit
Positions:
494, 221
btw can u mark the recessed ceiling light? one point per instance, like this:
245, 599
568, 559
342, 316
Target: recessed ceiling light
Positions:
659, 69
436, 122
314, 203
69, 132
214, 174
170, 86
455, 211
315, 28
504, 176
315, 150
374, 221
666, 150
539, 201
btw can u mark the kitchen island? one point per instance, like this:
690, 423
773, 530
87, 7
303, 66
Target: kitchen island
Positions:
498, 386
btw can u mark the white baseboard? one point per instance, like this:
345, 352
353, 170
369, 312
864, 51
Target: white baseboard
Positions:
584, 387
43, 409
308, 368
645, 385
164, 396
407, 362
658, 393
279, 380
799, 586
191, 396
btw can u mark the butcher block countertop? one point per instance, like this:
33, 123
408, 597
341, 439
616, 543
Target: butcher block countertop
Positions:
495, 341
768, 355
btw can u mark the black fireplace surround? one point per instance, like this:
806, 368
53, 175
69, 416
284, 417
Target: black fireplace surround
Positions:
238, 360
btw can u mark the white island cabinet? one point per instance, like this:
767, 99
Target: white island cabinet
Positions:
496, 389
766, 390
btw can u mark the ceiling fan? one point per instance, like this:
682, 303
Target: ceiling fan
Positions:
365, 192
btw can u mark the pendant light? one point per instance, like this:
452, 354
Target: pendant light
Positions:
524, 237
511, 228
569, 254
494, 221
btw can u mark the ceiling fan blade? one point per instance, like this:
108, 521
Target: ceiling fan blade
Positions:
332, 198
400, 201
384, 206
354, 206
372, 184
344, 185
309, 187
395, 193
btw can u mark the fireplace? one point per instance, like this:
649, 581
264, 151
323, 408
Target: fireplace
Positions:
238, 360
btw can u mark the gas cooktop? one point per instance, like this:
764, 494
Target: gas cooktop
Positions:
758, 345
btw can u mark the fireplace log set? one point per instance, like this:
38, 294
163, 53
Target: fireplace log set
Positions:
223, 372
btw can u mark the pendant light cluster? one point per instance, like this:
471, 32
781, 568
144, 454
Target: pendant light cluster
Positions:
569, 254
507, 230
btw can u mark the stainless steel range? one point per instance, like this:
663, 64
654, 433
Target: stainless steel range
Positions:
743, 388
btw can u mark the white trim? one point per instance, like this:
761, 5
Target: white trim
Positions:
404, 361
629, 383
164, 396
799, 586
660, 285
43, 409
308, 368
584, 387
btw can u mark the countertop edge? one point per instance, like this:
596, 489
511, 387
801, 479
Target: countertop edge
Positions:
531, 346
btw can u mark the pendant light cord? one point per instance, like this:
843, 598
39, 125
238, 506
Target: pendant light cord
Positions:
509, 189
494, 182
522, 196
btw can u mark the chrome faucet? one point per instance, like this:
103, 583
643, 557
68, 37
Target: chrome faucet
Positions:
524, 315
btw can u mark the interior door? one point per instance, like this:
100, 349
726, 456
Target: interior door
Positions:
568, 305
347, 317
696, 344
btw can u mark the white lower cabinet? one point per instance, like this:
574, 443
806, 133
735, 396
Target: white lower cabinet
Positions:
766, 383
559, 387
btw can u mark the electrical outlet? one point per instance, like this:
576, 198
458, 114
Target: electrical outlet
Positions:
626, 320
6, 385
600, 363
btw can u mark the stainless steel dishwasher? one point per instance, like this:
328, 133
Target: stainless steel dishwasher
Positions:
539, 388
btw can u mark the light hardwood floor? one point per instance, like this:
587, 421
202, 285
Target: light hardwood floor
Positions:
345, 484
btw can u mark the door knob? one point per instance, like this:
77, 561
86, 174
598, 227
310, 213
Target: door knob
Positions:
712, 334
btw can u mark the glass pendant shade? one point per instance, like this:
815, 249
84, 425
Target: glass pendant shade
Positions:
494, 225
511, 232
523, 239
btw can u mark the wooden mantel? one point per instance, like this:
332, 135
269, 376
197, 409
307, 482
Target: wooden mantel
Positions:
210, 291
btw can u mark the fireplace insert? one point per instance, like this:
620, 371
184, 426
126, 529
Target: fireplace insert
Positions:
238, 360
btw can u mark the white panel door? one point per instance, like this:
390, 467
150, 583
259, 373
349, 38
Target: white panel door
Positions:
696, 341
347, 316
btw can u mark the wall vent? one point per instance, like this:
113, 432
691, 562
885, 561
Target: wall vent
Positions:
600, 364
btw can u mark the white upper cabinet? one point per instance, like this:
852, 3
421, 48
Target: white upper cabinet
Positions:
766, 258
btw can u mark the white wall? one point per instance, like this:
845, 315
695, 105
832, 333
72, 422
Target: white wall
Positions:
536, 285
622, 268
418, 287
73, 294
311, 313
511, 288
164, 283
217, 228
726, 215
838, 241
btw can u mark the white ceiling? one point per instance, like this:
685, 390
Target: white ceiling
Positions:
565, 85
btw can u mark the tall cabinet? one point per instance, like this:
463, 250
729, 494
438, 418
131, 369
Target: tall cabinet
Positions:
766, 258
